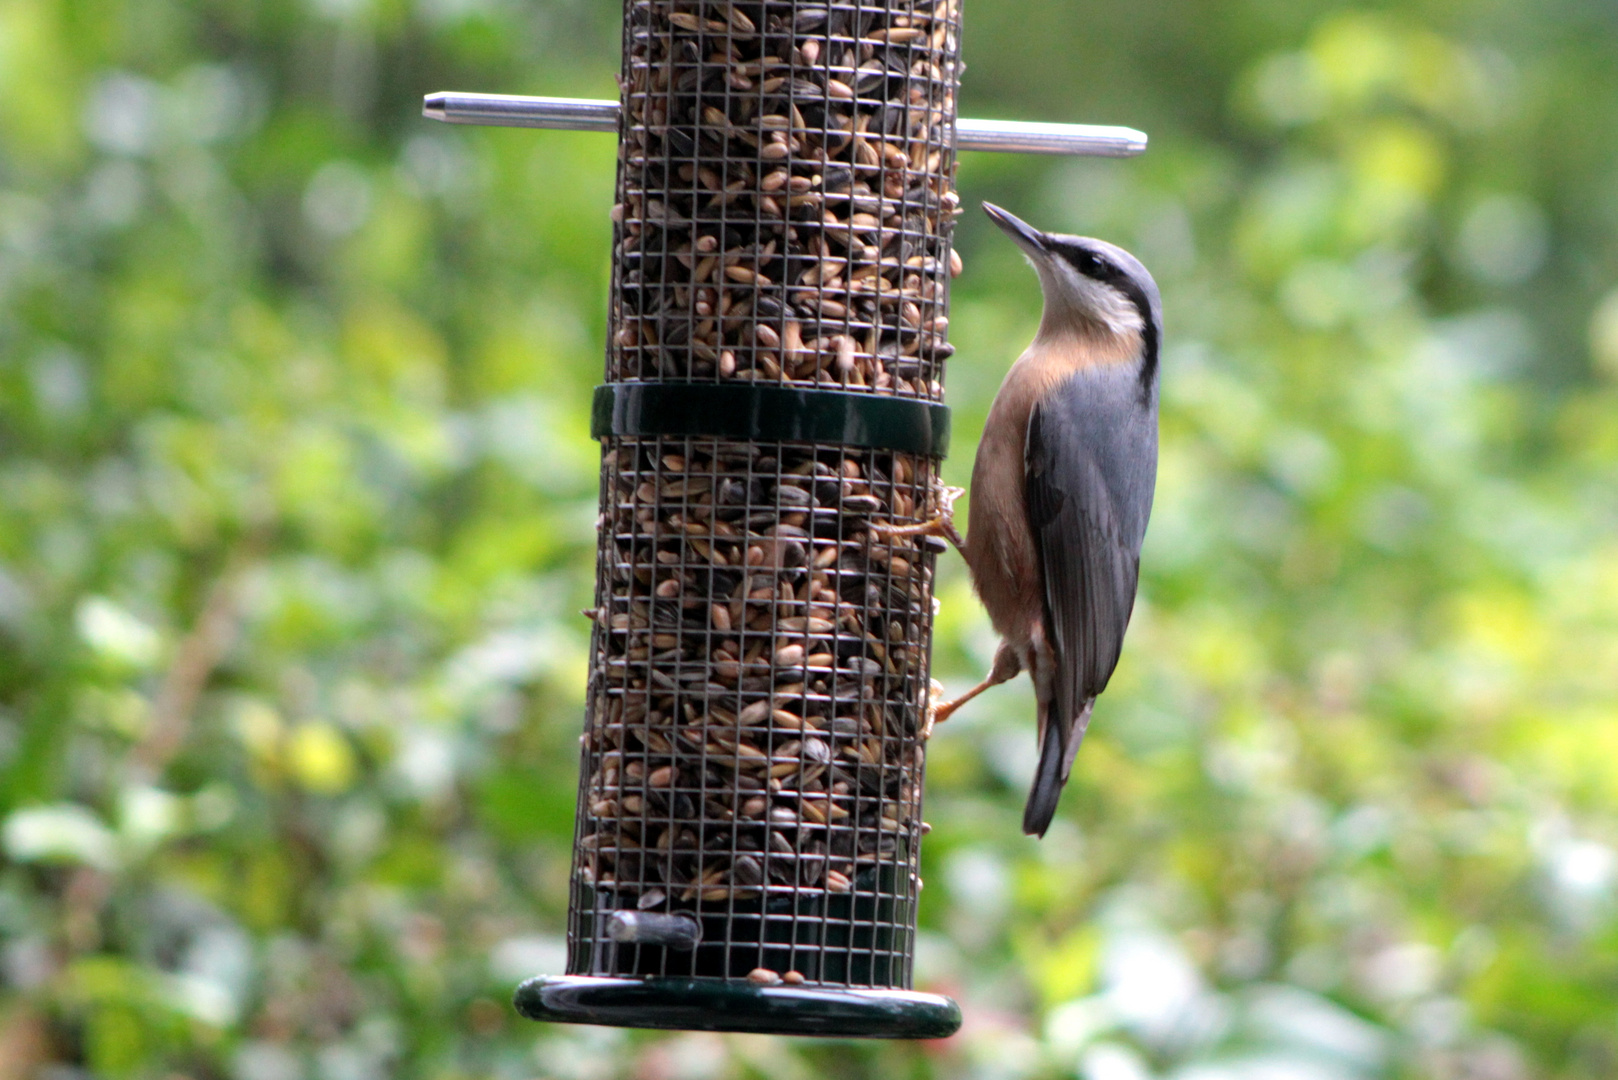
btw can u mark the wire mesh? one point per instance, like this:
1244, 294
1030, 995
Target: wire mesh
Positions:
752, 758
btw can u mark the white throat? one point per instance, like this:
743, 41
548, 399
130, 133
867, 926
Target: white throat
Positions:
1074, 302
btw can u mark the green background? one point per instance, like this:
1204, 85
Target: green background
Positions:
297, 510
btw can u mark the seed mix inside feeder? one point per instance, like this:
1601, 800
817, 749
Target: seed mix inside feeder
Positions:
749, 815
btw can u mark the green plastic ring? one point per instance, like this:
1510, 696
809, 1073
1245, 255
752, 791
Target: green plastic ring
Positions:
756, 413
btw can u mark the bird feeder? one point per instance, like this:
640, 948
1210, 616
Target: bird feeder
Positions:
749, 812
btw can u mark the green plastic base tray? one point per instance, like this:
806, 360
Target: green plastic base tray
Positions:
729, 1005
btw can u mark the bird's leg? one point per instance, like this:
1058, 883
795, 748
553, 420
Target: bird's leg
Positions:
940, 524
1006, 667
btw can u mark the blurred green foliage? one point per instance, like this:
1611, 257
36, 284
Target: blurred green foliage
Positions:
297, 511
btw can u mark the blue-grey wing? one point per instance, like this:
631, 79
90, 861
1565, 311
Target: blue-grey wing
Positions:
1089, 469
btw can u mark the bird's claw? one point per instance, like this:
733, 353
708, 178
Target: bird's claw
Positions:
942, 523
935, 691
938, 710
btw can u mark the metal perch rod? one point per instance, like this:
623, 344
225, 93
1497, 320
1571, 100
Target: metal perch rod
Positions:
586, 114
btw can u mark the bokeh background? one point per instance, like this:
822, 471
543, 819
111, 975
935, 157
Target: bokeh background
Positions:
296, 520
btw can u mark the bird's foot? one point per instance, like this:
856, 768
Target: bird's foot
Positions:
938, 710
941, 523
935, 690
1006, 666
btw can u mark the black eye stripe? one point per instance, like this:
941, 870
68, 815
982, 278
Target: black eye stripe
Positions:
1090, 264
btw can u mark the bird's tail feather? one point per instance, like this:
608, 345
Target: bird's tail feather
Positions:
1036, 816
1061, 742
1080, 726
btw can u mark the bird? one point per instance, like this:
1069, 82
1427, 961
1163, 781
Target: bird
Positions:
1062, 489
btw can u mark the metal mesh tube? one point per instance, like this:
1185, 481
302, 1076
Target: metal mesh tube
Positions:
752, 753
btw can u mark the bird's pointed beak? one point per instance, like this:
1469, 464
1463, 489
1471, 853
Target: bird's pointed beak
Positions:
1030, 239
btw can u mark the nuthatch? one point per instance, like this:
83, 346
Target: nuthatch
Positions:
1062, 488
